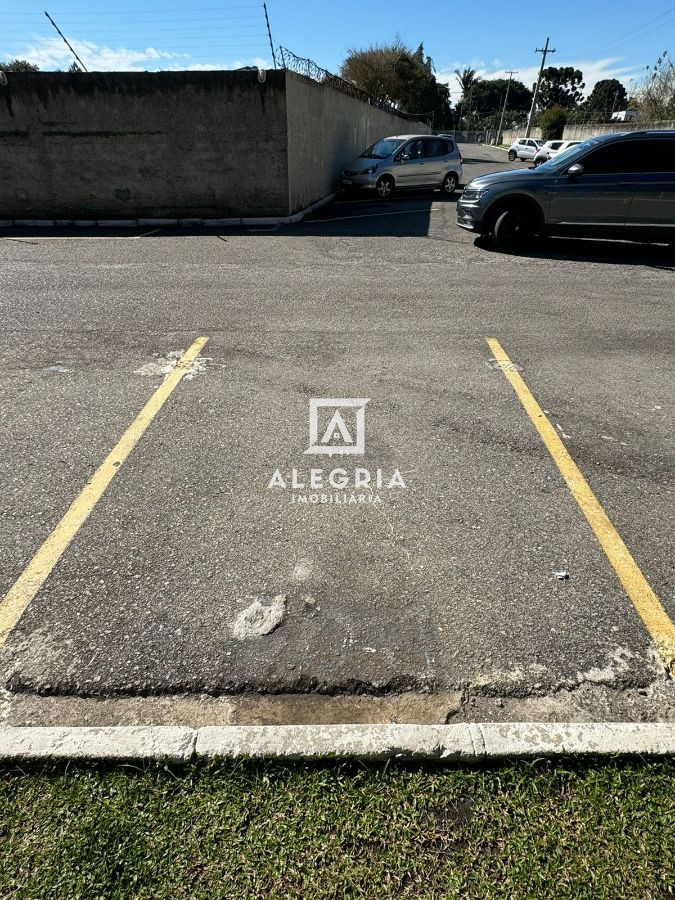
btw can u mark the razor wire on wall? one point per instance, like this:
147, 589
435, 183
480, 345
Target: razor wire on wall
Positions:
310, 69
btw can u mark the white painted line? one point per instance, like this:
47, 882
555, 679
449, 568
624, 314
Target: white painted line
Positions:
402, 212
466, 741
82, 237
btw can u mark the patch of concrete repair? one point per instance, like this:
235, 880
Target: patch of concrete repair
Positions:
260, 618
163, 365
588, 703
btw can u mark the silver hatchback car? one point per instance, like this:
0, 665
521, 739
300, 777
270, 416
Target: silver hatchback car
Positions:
405, 161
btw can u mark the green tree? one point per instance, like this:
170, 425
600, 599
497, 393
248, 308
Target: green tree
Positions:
403, 77
561, 87
607, 96
374, 71
488, 96
467, 79
18, 65
655, 94
552, 123
420, 92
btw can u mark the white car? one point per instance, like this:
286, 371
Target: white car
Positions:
552, 149
524, 148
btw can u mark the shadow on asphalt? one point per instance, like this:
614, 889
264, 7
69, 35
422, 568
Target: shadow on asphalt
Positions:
407, 214
403, 215
593, 250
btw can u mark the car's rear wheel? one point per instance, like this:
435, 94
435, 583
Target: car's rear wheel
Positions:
512, 155
449, 185
384, 186
513, 228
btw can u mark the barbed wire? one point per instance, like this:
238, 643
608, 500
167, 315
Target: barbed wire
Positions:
307, 67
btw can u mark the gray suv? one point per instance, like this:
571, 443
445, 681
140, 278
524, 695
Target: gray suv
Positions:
612, 186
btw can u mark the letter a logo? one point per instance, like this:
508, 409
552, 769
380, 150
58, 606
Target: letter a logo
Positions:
337, 435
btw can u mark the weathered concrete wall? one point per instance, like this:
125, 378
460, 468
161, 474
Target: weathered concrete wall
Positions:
124, 144
176, 144
508, 137
582, 132
325, 130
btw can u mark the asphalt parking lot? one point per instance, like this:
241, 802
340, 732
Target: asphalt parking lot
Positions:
191, 570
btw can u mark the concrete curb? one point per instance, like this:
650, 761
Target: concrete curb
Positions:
464, 742
185, 223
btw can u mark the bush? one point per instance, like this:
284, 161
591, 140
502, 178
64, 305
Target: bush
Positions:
552, 123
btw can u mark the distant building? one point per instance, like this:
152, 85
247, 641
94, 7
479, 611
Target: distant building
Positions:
625, 115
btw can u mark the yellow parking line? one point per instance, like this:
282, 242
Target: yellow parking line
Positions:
648, 606
37, 571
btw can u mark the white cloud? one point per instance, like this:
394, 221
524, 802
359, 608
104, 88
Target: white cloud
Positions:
52, 53
258, 61
593, 70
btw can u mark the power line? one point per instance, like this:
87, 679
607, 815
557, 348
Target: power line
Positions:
66, 41
639, 28
115, 34
544, 53
131, 12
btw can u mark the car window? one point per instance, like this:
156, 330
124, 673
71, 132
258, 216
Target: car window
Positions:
450, 147
609, 159
414, 150
555, 144
655, 155
436, 147
382, 149
522, 141
569, 156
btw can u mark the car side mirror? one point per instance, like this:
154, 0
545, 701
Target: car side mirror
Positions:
575, 170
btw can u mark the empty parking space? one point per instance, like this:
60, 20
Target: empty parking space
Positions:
205, 566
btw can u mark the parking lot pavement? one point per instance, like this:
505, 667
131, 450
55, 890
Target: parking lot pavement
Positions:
195, 572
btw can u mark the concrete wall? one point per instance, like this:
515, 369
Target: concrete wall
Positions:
143, 144
510, 136
326, 129
581, 132
175, 144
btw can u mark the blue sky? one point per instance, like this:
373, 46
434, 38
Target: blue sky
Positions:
604, 39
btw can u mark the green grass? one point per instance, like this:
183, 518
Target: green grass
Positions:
248, 829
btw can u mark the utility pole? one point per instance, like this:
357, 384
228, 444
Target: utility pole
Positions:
65, 40
510, 73
269, 35
533, 109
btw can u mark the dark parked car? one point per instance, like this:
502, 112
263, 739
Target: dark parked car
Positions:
612, 186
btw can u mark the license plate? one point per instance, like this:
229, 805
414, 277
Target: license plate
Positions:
346, 181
